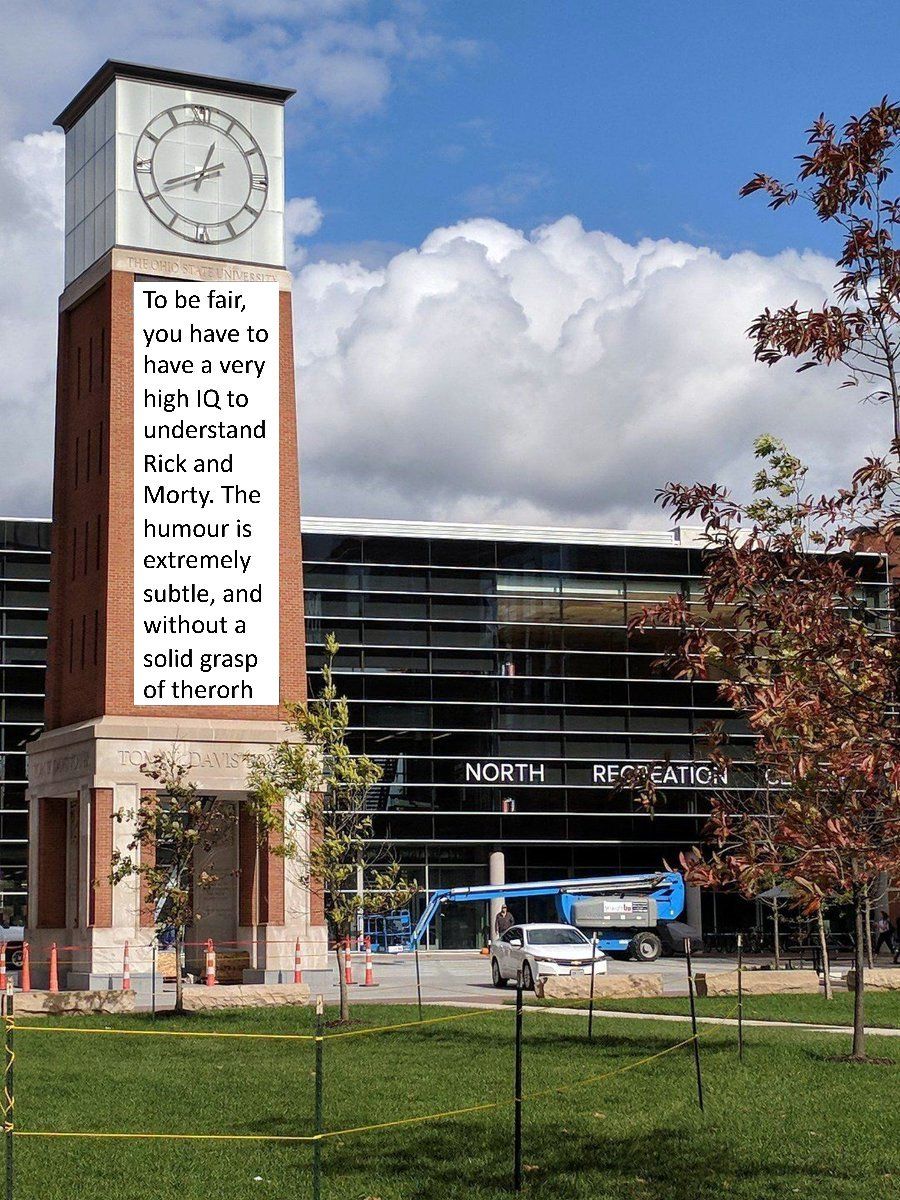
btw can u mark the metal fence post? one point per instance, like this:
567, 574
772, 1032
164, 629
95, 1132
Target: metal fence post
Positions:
591, 1001
418, 982
740, 965
517, 1125
153, 980
320, 1092
8, 1091
690, 974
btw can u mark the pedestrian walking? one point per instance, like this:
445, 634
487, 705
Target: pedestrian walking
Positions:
885, 933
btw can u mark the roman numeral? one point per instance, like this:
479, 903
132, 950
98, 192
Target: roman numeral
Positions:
202, 234
142, 164
259, 182
201, 113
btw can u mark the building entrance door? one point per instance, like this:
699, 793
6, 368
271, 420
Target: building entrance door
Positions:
462, 927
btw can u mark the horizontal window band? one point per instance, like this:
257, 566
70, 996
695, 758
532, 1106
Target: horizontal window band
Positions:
573, 706
481, 624
567, 814
492, 572
552, 572
613, 734
510, 597
642, 844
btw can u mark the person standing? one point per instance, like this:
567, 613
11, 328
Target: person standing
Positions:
504, 920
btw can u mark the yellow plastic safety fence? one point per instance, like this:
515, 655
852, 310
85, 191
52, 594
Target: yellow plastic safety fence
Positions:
487, 1106
263, 1037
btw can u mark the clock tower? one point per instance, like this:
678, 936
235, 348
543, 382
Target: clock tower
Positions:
176, 177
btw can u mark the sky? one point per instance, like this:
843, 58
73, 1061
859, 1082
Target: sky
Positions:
523, 273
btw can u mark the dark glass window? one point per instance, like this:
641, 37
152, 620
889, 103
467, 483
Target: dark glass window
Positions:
452, 552
13, 651
592, 558
394, 660
397, 607
317, 575
25, 535
331, 547
396, 551
528, 556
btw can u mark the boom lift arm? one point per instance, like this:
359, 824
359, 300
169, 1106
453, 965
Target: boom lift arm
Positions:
618, 907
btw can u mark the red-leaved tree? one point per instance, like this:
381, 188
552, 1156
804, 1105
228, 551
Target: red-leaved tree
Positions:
844, 177
808, 656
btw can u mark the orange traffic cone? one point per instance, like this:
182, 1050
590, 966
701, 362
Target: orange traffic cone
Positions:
3, 967
126, 969
26, 967
370, 978
298, 963
54, 969
348, 964
210, 963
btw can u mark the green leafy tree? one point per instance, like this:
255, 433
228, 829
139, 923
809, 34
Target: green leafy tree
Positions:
310, 796
175, 829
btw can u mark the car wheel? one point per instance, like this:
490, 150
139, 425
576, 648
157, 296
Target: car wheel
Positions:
527, 978
496, 977
646, 947
15, 960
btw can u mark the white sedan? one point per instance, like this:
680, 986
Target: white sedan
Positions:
543, 950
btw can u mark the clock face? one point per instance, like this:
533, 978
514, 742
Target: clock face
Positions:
201, 173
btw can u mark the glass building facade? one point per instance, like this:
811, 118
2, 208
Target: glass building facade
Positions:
24, 588
491, 673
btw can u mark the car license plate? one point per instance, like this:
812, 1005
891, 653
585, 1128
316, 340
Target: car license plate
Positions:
576, 970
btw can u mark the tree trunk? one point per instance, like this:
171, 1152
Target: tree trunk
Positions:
826, 963
179, 983
340, 950
859, 965
870, 961
777, 927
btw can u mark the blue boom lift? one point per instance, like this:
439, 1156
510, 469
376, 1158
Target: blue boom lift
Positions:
631, 914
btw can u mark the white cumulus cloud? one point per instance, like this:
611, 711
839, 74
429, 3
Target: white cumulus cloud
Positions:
561, 376
31, 233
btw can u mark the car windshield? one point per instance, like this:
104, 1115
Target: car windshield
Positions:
556, 937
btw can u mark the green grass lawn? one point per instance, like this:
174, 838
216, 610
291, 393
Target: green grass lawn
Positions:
789, 1122
882, 1008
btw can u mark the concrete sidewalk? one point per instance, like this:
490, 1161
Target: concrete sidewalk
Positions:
681, 1018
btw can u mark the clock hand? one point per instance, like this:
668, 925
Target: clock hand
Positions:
214, 170
199, 178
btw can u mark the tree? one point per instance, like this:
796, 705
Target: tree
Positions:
175, 828
843, 177
813, 669
311, 794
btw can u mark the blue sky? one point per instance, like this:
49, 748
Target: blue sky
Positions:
643, 118
522, 273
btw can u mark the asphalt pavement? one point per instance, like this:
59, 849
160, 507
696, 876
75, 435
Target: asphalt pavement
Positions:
457, 975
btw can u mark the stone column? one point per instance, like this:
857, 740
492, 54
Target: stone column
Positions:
497, 874
692, 912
